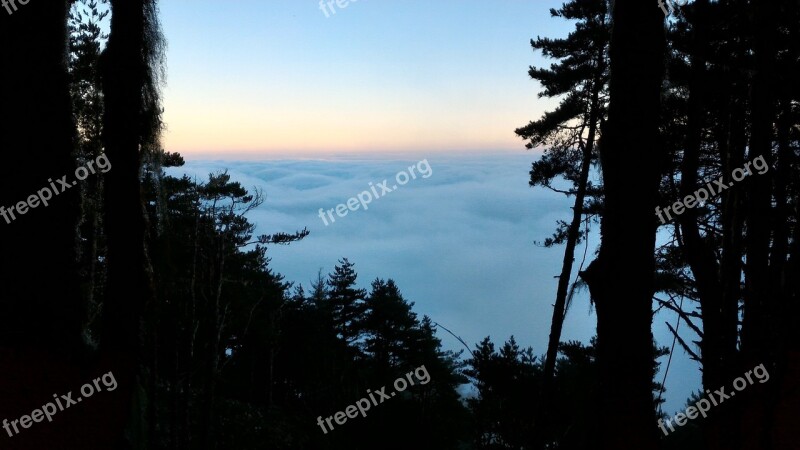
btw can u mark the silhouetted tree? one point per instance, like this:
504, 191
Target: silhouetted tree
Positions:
387, 323
569, 135
621, 278
345, 301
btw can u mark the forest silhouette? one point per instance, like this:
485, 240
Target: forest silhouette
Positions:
162, 281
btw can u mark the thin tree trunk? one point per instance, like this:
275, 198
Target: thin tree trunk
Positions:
559, 309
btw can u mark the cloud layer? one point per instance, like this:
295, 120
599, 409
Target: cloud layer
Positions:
460, 244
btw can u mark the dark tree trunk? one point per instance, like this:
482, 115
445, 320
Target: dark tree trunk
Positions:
700, 253
757, 286
41, 305
784, 425
621, 279
123, 79
42, 310
718, 350
762, 299
125, 73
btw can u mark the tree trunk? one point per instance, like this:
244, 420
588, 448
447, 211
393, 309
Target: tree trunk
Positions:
42, 311
621, 279
559, 309
125, 73
41, 304
760, 295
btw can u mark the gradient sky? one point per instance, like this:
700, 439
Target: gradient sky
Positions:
279, 77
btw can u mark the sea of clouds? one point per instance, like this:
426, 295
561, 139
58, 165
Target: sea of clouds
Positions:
460, 243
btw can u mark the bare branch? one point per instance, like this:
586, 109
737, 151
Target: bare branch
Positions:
692, 354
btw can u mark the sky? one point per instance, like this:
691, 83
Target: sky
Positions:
278, 77
311, 109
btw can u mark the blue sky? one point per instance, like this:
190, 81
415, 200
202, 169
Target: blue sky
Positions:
278, 77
